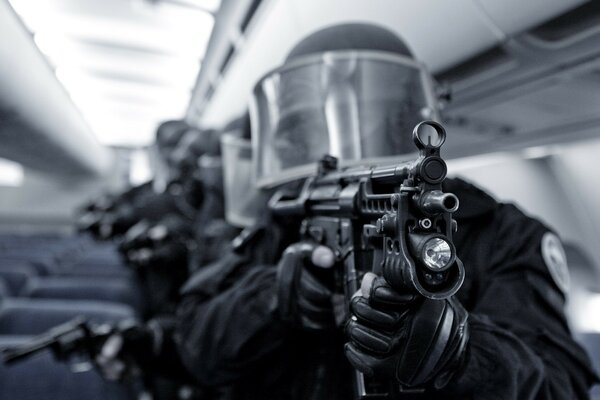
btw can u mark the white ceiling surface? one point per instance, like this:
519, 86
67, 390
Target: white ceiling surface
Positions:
39, 126
440, 32
127, 64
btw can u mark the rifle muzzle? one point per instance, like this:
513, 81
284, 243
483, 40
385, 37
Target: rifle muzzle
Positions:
437, 202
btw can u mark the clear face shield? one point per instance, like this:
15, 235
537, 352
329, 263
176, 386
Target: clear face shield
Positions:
354, 105
181, 157
161, 171
242, 199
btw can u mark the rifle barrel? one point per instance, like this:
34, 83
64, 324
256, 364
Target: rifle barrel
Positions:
393, 174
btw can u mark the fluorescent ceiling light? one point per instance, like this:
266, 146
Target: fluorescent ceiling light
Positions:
89, 89
139, 167
57, 46
84, 59
116, 132
191, 42
163, 31
11, 173
157, 13
123, 107
172, 73
208, 5
587, 313
133, 112
126, 65
128, 125
110, 81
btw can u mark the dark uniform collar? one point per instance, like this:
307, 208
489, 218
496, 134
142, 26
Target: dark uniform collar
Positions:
474, 202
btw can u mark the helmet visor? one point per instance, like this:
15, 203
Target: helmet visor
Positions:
241, 196
162, 172
352, 105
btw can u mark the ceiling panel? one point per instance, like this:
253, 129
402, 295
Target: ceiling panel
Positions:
431, 28
530, 12
132, 62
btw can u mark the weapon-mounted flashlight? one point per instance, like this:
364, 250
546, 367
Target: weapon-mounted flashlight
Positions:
437, 254
433, 251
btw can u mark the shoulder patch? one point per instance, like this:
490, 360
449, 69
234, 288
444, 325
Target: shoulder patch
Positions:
556, 261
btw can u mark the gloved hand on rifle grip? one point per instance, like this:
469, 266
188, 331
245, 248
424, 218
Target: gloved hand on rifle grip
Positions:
418, 342
304, 298
128, 350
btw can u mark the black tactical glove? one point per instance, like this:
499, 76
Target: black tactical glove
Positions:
89, 221
167, 255
161, 245
117, 221
136, 237
418, 342
131, 349
305, 299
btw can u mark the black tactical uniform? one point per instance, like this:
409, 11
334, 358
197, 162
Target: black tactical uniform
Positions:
520, 346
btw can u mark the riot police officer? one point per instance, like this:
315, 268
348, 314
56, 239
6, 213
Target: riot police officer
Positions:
113, 215
262, 321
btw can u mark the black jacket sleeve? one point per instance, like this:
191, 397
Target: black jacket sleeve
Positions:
227, 323
520, 344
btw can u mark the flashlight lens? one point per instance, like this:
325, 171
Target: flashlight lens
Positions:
437, 254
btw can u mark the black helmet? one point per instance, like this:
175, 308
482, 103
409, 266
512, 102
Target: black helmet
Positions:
350, 37
169, 133
353, 91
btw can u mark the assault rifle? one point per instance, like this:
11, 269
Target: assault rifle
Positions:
74, 338
392, 220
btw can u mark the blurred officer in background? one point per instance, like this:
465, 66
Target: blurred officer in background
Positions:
152, 347
114, 215
260, 323
164, 252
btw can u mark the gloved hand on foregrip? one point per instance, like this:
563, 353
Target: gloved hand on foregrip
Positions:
400, 335
303, 293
